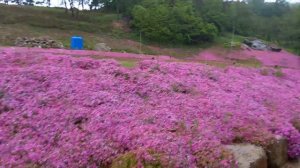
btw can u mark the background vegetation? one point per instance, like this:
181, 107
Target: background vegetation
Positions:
178, 21
193, 21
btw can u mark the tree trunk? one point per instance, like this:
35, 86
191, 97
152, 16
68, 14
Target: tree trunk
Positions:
117, 7
71, 2
48, 3
77, 10
72, 11
66, 7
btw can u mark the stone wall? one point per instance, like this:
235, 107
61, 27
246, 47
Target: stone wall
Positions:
40, 42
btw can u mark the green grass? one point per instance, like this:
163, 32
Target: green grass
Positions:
229, 41
294, 50
97, 27
128, 63
252, 62
28, 21
278, 72
56, 18
94, 26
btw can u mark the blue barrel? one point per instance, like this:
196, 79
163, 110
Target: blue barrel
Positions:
76, 43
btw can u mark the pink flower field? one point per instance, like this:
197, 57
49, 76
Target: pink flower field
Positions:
60, 111
267, 58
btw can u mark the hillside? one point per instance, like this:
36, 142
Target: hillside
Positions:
95, 27
155, 105
60, 111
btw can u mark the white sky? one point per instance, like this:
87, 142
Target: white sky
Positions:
58, 2
288, 0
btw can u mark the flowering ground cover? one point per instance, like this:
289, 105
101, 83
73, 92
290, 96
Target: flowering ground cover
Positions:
61, 111
267, 58
84, 53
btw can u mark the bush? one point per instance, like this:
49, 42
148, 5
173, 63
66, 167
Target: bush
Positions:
178, 24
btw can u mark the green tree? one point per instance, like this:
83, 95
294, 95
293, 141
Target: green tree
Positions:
212, 11
94, 4
29, 2
120, 6
166, 22
256, 5
240, 18
290, 32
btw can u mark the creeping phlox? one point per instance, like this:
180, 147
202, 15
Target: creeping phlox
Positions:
61, 111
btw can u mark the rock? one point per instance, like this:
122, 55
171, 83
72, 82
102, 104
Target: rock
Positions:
277, 152
292, 164
275, 48
259, 45
296, 123
245, 47
249, 156
247, 42
41, 42
102, 47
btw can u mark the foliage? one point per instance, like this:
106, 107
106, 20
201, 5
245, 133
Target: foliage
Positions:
120, 6
176, 24
213, 12
195, 21
290, 32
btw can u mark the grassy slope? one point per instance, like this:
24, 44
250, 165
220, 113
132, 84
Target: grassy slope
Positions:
95, 27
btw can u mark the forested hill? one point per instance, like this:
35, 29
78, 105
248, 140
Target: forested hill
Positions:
170, 22
194, 21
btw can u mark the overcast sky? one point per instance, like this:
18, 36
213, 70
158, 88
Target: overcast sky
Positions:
58, 2
288, 0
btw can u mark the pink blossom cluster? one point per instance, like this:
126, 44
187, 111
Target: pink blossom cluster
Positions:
61, 111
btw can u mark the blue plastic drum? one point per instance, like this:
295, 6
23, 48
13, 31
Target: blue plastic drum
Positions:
76, 43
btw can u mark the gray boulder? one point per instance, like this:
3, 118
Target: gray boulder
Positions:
277, 152
102, 47
259, 45
249, 156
